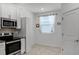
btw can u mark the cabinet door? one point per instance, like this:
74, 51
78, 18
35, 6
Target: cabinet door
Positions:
5, 11
8, 10
2, 48
13, 11
22, 45
18, 17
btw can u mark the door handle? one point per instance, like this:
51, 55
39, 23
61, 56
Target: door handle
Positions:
77, 41
62, 34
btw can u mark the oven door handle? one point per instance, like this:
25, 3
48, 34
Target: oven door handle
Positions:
12, 42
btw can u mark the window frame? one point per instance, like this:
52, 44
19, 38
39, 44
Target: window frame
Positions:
52, 24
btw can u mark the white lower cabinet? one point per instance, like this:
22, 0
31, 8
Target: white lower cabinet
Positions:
2, 48
23, 45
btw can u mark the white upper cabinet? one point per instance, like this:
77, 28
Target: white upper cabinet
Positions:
18, 17
12, 11
5, 11
21, 12
8, 11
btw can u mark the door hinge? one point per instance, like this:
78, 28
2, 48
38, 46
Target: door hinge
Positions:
62, 34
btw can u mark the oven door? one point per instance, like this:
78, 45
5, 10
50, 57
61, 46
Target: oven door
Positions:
13, 47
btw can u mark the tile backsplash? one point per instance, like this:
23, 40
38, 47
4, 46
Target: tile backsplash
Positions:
8, 30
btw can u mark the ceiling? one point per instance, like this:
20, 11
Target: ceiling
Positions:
43, 7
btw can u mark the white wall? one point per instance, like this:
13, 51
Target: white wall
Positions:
69, 6
53, 39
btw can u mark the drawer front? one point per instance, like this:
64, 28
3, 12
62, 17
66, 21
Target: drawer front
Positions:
2, 51
2, 48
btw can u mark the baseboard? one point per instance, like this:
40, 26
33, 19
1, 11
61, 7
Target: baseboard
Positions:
52, 45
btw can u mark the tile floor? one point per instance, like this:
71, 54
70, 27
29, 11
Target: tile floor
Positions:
38, 49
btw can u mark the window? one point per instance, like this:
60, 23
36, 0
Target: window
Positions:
47, 23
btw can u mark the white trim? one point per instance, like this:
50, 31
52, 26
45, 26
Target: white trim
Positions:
12, 41
71, 10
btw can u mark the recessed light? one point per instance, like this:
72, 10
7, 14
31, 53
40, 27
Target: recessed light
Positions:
42, 9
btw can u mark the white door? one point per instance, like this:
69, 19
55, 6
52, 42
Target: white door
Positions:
70, 28
68, 45
76, 42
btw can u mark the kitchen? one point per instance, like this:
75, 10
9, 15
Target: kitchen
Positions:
24, 30
12, 29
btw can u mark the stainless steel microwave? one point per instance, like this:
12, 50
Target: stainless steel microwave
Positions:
8, 23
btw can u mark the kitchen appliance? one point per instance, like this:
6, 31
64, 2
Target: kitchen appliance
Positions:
12, 45
8, 23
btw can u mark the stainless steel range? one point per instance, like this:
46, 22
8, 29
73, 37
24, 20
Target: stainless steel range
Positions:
12, 45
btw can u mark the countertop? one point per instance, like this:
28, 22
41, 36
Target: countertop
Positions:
14, 38
1, 41
19, 37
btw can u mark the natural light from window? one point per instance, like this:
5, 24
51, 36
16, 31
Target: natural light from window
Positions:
47, 23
